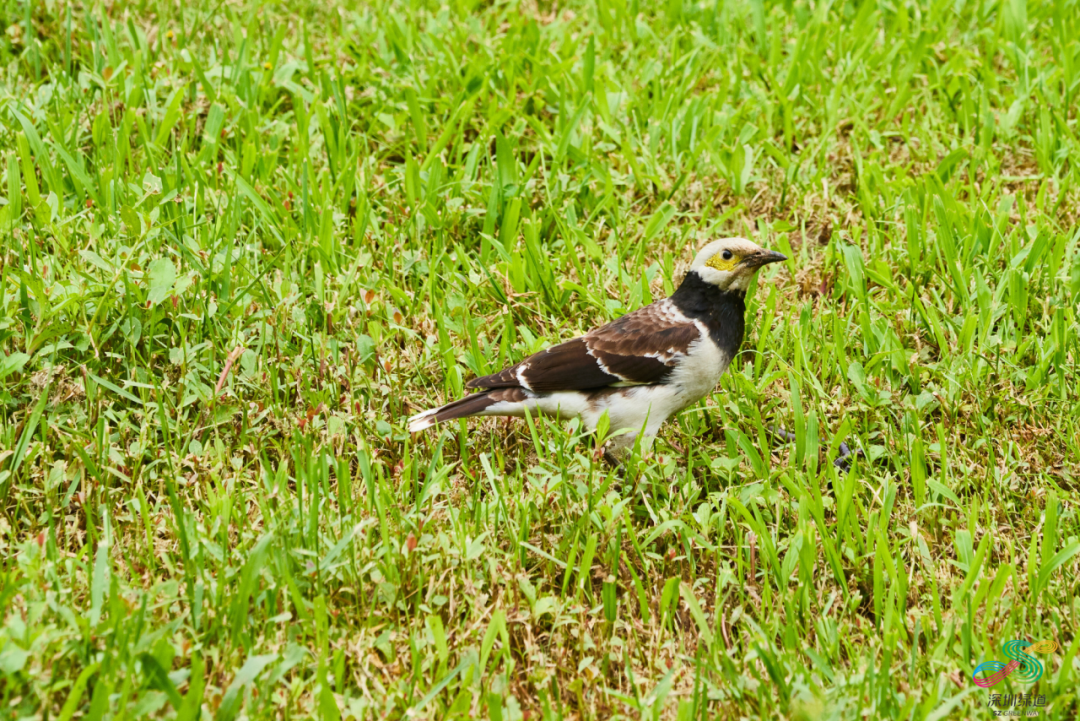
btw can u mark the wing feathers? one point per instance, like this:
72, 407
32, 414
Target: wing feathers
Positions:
640, 348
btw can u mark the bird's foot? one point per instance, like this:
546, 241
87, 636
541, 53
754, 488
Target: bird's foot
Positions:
781, 433
843, 459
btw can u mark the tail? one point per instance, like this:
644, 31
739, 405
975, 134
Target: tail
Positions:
483, 403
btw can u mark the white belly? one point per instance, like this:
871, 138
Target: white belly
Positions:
641, 409
699, 372
645, 408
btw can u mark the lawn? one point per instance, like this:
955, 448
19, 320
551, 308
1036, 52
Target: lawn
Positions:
243, 241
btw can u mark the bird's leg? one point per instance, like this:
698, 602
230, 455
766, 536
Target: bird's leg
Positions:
613, 458
618, 449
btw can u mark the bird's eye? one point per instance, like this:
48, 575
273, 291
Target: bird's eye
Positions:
727, 255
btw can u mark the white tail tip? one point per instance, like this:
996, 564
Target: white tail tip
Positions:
422, 421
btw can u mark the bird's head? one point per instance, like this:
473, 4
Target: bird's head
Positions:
730, 263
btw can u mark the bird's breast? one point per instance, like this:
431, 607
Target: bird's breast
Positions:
698, 373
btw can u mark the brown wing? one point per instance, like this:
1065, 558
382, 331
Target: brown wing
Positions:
640, 348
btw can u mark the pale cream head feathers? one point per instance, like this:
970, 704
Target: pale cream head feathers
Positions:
730, 263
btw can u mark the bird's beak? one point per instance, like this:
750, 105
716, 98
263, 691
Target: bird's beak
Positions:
763, 257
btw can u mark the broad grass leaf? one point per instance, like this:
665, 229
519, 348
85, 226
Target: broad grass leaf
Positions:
12, 364
1059, 559
162, 276
12, 658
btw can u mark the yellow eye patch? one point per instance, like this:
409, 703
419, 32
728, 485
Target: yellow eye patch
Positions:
720, 263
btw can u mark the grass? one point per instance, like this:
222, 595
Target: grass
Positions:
243, 241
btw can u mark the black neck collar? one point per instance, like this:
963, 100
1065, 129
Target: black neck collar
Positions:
721, 311
694, 286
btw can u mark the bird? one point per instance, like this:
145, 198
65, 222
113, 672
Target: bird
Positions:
640, 369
